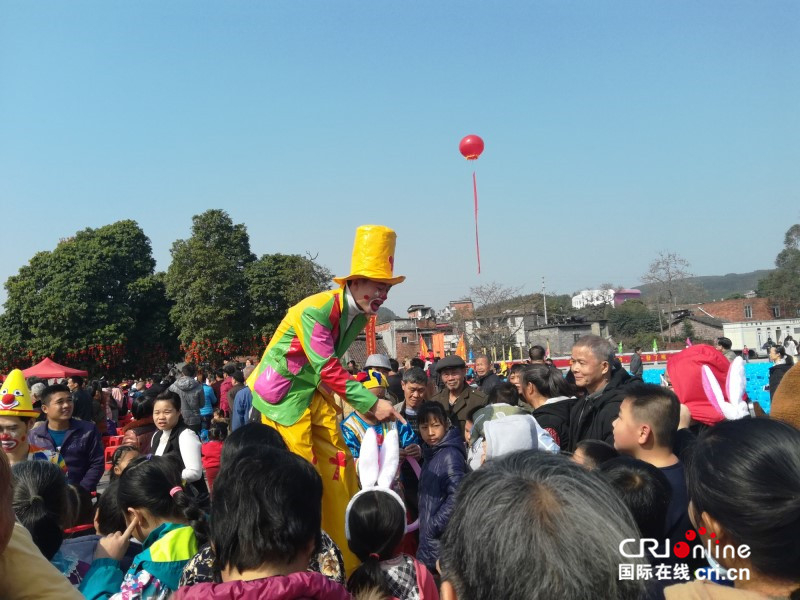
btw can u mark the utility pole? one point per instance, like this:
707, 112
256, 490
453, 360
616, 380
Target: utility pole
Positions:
544, 299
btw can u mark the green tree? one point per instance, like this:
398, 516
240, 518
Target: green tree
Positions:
206, 281
631, 318
276, 282
83, 302
688, 329
783, 284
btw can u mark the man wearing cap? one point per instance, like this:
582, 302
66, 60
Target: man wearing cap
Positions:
294, 383
459, 399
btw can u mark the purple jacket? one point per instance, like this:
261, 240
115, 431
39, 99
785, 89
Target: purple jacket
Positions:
444, 467
82, 451
297, 586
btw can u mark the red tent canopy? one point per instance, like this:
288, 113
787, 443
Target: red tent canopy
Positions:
48, 369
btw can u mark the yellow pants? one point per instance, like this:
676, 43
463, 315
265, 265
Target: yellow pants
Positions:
316, 437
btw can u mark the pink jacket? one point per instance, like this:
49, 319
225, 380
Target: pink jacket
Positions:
297, 586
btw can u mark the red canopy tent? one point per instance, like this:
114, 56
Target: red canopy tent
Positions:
48, 369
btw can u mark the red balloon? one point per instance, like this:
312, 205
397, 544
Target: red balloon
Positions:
471, 147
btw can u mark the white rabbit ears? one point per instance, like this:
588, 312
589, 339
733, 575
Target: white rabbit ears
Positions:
376, 468
735, 407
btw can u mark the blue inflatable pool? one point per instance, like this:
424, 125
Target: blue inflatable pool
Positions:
757, 378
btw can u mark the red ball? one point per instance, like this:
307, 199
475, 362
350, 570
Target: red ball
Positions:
471, 147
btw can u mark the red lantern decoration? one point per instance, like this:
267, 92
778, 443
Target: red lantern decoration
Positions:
471, 147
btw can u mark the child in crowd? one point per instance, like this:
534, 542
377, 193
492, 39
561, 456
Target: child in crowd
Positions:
212, 450
121, 458
108, 519
265, 526
744, 483
645, 429
158, 511
375, 523
356, 424
644, 489
442, 471
593, 453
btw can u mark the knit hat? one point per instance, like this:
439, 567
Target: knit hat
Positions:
15, 397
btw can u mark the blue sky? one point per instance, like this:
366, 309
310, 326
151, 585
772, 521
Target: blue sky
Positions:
613, 130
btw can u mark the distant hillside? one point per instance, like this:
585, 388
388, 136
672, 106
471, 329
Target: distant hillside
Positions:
714, 287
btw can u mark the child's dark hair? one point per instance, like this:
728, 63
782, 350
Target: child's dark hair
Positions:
377, 524
644, 489
172, 397
146, 483
252, 435
433, 411
41, 503
110, 517
596, 452
266, 509
658, 407
218, 431
81, 501
746, 475
504, 393
117, 456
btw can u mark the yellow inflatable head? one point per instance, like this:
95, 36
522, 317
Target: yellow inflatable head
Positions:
15, 397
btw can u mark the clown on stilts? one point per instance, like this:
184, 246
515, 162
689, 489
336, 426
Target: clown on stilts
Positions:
294, 383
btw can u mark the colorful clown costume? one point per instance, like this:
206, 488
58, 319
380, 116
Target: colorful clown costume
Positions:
294, 383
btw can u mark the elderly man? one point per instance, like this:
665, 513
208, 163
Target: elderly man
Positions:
457, 398
593, 366
486, 378
536, 500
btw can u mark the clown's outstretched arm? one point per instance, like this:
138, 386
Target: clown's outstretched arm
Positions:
319, 345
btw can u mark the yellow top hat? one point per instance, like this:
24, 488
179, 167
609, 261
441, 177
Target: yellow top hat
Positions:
15, 397
373, 256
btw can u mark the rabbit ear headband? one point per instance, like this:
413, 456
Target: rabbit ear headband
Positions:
735, 407
376, 469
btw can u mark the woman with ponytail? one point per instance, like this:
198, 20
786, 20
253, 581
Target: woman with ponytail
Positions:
46, 506
744, 488
551, 397
167, 520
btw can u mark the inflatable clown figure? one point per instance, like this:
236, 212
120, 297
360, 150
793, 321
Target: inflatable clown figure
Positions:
294, 383
17, 416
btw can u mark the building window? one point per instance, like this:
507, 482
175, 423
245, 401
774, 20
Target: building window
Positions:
404, 339
776, 311
576, 337
748, 311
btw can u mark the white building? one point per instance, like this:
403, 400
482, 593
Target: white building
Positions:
592, 298
754, 334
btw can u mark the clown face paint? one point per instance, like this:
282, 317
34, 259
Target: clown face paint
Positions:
369, 295
13, 433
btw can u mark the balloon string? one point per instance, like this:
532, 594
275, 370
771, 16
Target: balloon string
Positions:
477, 244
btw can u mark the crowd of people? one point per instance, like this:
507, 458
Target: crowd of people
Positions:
305, 476
553, 471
